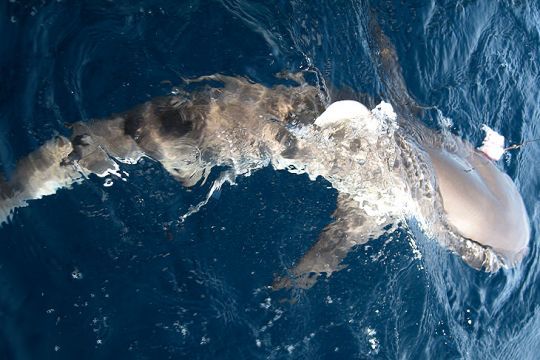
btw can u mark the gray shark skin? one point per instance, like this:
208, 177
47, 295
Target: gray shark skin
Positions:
371, 160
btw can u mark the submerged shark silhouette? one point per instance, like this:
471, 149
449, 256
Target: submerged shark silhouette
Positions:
385, 169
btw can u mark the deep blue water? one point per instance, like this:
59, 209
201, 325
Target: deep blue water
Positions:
107, 273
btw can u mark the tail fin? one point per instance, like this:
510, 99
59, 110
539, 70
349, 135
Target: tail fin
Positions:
39, 174
8, 200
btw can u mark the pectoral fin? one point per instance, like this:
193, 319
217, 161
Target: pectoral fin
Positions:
351, 227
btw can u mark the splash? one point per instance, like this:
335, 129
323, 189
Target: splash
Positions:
225, 177
354, 149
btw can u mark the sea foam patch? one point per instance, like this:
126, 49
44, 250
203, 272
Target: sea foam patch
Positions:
493, 144
342, 112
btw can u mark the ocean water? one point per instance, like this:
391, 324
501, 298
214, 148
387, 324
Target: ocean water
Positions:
107, 273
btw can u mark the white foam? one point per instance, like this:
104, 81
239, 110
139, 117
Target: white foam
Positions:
225, 177
340, 112
385, 110
114, 170
493, 144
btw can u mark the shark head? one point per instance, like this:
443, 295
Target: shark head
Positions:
481, 202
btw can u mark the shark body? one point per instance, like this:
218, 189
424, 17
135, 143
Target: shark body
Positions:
384, 172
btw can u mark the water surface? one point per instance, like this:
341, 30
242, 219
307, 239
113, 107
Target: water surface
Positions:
105, 272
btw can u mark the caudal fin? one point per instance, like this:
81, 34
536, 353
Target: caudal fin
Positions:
40, 173
8, 201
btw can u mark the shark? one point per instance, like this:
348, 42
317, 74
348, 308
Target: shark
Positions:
386, 165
